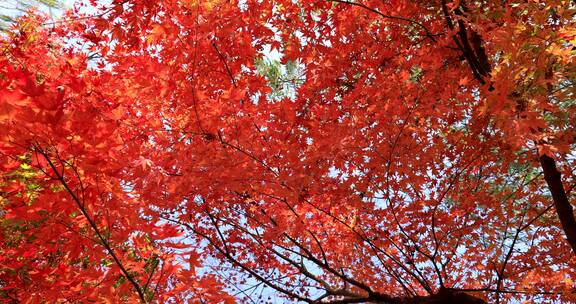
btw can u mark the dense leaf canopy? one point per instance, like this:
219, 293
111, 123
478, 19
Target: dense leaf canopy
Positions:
399, 151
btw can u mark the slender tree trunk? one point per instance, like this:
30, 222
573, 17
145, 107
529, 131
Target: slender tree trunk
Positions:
563, 207
478, 58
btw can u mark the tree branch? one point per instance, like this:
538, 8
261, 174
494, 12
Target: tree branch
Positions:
93, 225
426, 30
564, 209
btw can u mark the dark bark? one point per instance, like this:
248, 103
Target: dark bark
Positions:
445, 296
563, 207
476, 56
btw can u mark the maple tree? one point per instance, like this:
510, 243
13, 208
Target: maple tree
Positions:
423, 153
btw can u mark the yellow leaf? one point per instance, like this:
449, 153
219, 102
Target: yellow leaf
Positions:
156, 34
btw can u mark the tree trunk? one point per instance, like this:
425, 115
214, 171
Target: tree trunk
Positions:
563, 206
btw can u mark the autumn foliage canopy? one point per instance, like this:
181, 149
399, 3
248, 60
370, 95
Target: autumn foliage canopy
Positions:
400, 151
